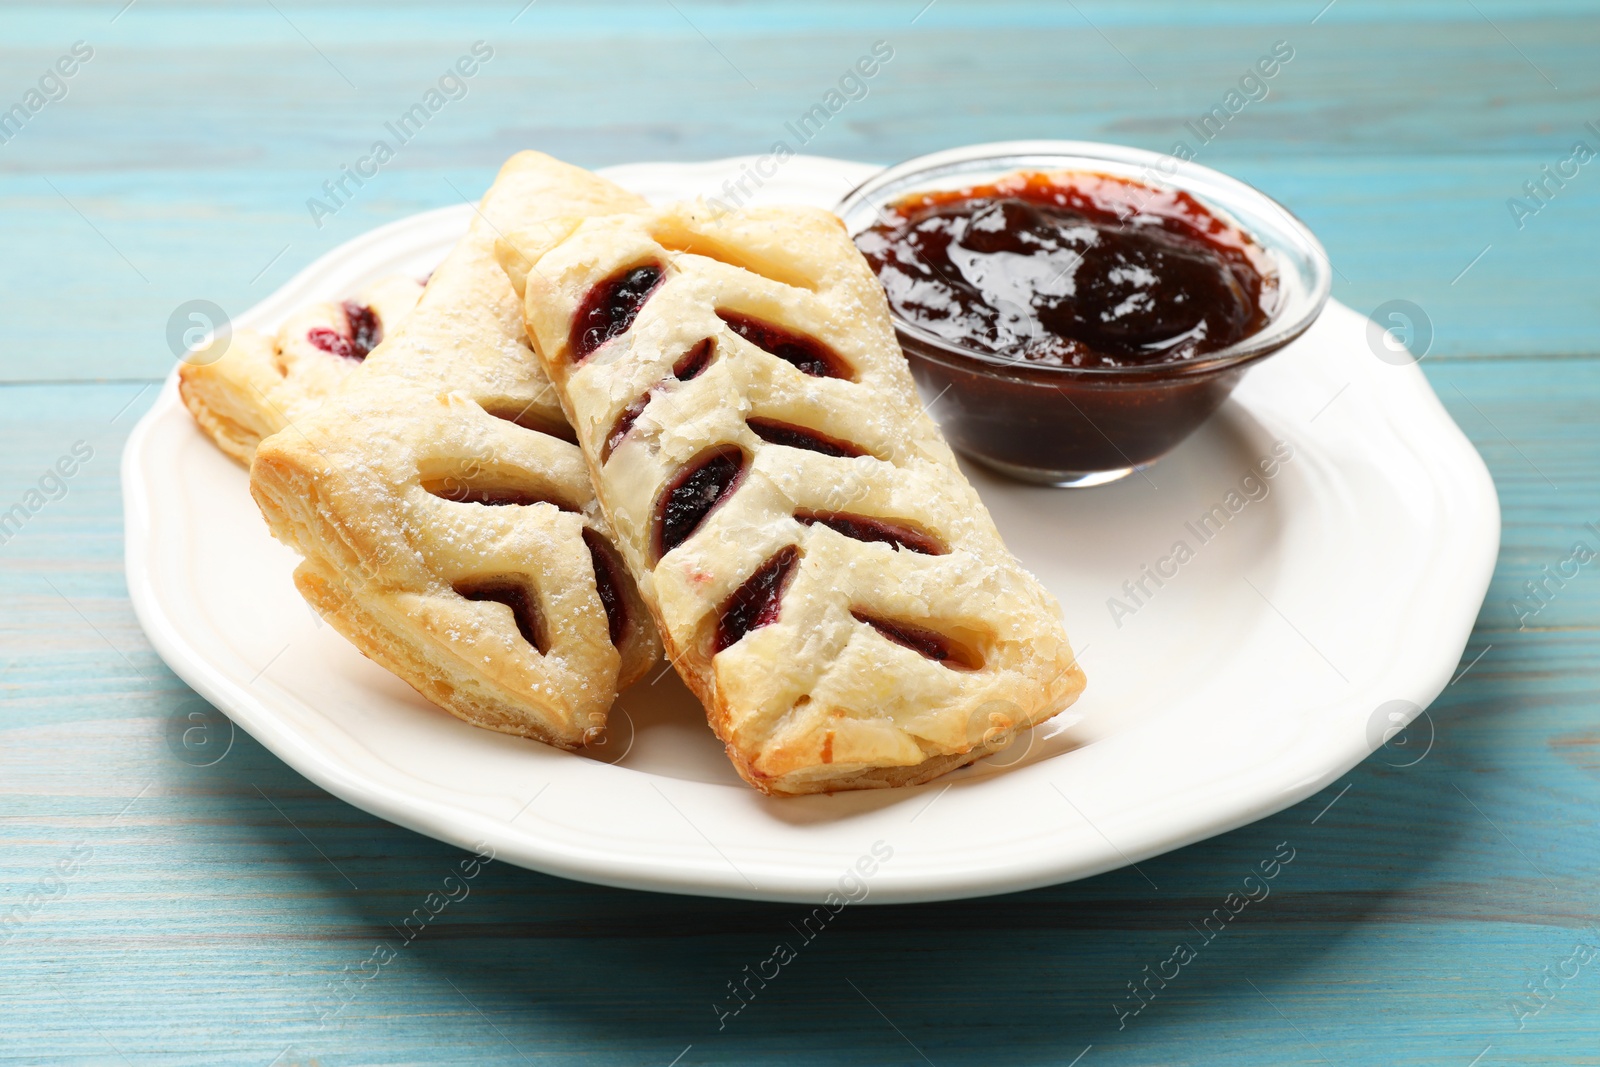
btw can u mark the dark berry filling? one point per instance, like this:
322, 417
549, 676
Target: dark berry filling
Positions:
774, 432
330, 341
363, 332
934, 645
365, 329
807, 354
514, 595
532, 418
757, 602
464, 492
611, 307
863, 528
692, 362
605, 583
694, 494
688, 366
625, 421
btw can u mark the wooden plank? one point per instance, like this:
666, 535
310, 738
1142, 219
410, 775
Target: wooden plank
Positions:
196, 923
165, 175
203, 926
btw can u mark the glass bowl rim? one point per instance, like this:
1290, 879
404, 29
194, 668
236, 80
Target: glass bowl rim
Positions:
1281, 328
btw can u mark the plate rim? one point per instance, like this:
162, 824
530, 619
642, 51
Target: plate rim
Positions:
1476, 509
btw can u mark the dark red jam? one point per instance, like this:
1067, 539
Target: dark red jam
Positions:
693, 494
864, 528
365, 329
363, 332
806, 354
514, 595
492, 495
1071, 270
774, 432
531, 416
605, 583
611, 307
692, 362
758, 601
624, 423
930, 643
687, 368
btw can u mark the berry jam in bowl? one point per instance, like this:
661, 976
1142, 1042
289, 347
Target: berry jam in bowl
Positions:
1078, 309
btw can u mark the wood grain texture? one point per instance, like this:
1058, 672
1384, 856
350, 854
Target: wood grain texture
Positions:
197, 915
180, 162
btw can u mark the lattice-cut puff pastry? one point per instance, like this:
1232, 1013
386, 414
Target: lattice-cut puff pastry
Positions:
823, 576
257, 384
447, 531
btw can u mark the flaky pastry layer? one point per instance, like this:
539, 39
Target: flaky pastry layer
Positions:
448, 529
841, 601
246, 386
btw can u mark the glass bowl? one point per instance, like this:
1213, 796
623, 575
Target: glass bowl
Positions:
1081, 426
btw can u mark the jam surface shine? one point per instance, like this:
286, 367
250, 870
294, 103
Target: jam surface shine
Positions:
1071, 269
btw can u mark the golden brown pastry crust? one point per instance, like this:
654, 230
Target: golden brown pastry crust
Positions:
445, 532
824, 697
257, 385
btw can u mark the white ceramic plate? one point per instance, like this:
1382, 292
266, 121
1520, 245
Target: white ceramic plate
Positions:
1256, 674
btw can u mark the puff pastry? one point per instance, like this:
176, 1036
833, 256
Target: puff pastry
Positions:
822, 575
448, 529
260, 384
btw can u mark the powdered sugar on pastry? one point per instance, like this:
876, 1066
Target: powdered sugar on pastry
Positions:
823, 576
258, 385
447, 523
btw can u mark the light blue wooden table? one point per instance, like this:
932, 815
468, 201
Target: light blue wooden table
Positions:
210, 915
